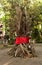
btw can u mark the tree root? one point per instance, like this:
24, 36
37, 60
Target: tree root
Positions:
22, 51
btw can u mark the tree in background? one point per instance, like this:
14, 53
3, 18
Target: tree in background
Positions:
21, 18
23, 27
11, 8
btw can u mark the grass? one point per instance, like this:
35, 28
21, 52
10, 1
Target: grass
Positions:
3, 47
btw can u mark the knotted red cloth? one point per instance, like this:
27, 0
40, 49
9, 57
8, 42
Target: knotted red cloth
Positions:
21, 40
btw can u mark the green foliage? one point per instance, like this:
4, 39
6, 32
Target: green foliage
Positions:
35, 34
11, 18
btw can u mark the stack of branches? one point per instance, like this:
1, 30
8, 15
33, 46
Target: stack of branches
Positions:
23, 50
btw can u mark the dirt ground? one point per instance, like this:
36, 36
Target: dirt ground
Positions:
5, 59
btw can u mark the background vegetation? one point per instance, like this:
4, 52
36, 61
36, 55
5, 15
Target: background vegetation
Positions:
9, 15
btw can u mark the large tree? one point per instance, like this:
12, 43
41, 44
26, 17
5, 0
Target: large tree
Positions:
20, 19
23, 27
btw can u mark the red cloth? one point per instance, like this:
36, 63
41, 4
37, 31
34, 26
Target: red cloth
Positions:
21, 40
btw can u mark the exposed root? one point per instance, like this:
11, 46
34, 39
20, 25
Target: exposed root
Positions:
22, 51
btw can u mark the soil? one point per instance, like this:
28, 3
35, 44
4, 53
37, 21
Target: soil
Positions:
5, 59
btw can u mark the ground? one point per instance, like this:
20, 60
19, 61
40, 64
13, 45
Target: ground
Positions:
5, 59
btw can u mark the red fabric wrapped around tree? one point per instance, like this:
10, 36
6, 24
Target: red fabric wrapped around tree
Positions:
21, 40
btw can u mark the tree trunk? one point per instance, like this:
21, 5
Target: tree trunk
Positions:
24, 27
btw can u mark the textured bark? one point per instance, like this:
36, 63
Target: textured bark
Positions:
23, 28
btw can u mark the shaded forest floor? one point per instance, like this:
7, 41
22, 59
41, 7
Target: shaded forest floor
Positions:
5, 59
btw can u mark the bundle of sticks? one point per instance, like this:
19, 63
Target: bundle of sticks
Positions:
23, 48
